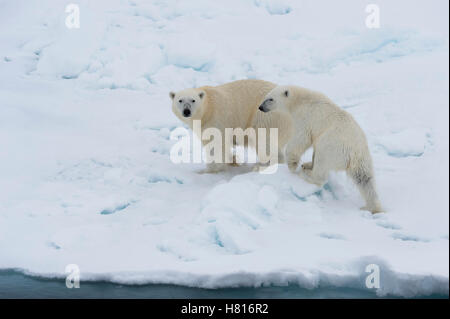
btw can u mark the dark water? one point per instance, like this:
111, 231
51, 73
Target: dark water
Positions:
14, 284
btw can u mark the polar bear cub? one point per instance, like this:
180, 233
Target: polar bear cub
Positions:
338, 141
231, 105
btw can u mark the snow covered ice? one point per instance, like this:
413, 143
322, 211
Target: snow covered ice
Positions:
85, 119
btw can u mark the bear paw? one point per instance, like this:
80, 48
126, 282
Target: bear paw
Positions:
373, 210
308, 165
235, 162
259, 167
213, 168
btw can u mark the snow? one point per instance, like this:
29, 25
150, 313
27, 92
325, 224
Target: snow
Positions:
85, 121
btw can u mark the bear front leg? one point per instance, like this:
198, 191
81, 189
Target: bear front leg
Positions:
281, 158
218, 157
292, 162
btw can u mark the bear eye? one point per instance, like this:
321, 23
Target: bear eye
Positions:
180, 101
193, 101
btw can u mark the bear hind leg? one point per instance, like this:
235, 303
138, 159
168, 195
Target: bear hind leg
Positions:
317, 175
365, 182
325, 159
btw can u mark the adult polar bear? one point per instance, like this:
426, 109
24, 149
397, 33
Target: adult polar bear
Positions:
338, 141
231, 105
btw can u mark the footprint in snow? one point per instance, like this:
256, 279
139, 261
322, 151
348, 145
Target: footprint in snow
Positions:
405, 237
332, 236
388, 225
114, 209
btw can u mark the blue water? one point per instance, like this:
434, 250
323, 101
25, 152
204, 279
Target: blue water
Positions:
14, 284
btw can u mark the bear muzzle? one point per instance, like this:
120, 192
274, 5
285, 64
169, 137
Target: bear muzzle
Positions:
187, 110
264, 107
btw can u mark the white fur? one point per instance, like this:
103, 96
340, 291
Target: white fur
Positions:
338, 141
232, 105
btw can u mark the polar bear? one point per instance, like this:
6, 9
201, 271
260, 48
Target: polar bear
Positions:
338, 141
231, 105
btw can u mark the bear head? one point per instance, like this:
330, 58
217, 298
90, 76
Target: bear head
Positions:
280, 99
188, 104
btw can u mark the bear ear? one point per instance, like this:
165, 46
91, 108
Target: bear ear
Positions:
286, 93
172, 95
201, 94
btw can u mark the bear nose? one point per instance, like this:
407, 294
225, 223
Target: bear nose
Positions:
186, 112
